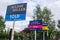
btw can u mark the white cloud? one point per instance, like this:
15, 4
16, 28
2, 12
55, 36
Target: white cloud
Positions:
55, 7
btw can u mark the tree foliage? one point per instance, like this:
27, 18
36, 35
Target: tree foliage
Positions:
58, 24
2, 23
45, 15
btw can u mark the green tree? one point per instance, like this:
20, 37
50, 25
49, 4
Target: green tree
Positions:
2, 23
58, 24
58, 32
37, 13
45, 15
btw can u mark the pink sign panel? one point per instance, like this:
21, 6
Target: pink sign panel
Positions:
35, 26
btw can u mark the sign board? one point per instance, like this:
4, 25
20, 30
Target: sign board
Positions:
33, 29
35, 24
16, 12
45, 26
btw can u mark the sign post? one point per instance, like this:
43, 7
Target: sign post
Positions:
12, 37
44, 28
14, 13
35, 34
43, 35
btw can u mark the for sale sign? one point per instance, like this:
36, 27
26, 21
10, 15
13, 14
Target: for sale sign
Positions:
35, 24
16, 12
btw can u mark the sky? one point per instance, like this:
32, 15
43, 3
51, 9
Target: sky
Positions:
53, 5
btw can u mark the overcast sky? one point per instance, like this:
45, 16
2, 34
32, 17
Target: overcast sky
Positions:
53, 5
